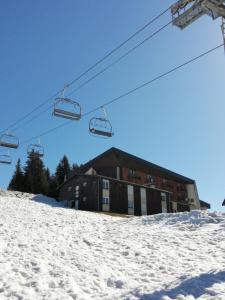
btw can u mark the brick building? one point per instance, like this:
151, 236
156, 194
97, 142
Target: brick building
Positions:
119, 182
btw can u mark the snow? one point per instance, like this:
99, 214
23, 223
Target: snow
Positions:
50, 252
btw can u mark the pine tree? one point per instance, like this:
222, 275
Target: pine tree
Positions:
63, 170
36, 180
17, 181
75, 168
53, 188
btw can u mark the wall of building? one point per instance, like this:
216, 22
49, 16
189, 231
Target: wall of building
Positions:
83, 189
178, 189
94, 193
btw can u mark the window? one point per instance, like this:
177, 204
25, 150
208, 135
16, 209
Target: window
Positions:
163, 195
132, 172
84, 199
105, 184
85, 184
77, 191
105, 200
130, 204
69, 188
150, 179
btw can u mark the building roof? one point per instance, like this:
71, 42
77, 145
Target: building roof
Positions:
205, 204
137, 159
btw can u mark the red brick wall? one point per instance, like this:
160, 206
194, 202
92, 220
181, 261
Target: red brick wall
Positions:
178, 189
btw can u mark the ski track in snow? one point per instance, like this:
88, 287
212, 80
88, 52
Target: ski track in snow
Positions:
51, 252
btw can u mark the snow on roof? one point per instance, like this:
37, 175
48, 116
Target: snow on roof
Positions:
50, 252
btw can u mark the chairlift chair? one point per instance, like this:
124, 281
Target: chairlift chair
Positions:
101, 127
37, 149
9, 141
5, 159
67, 108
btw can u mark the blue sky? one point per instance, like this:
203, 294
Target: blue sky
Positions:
177, 122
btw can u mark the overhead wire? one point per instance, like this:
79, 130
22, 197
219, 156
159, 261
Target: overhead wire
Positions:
99, 73
121, 57
88, 70
130, 91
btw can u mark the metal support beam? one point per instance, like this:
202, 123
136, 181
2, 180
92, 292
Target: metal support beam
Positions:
185, 12
223, 31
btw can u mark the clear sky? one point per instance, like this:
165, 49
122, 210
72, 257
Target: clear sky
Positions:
178, 122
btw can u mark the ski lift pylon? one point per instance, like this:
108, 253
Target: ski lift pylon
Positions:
37, 149
101, 126
9, 141
67, 108
185, 12
5, 159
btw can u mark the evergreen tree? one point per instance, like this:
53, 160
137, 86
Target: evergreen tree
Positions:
63, 170
36, 180
53, 188
75, 168
17, 181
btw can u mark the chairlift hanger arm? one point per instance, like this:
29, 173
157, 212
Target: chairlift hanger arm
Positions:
181, 4
213, 8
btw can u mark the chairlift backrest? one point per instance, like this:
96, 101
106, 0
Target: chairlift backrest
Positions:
67, 108
9, 141
36, 149
5, 159
101, 127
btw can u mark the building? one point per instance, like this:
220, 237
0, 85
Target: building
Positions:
119, 182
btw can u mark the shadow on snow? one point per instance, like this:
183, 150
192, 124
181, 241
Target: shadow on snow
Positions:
49, 201
195, 287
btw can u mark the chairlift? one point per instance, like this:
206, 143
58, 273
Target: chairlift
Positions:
9, 141
101, 126
5, 159
67, 108
36, 149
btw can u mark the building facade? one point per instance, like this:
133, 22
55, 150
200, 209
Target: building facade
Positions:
119, 182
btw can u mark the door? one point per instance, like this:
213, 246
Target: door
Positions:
130, 193
143, 202
77, 204
164, 203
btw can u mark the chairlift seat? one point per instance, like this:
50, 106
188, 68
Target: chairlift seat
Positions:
72, 113
8, 145
100, 132
9, 141
101, 127
36, 149
5, 159
66, 114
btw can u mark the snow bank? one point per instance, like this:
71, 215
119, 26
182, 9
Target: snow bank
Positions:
51, 252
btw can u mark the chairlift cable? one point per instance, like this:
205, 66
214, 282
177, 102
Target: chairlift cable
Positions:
130, 92
89, 69
120, 46
99, 73
121, 57
155, 79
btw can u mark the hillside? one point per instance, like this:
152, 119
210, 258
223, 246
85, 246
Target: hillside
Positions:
51, 252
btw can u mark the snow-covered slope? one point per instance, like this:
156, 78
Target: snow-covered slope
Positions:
50, 252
